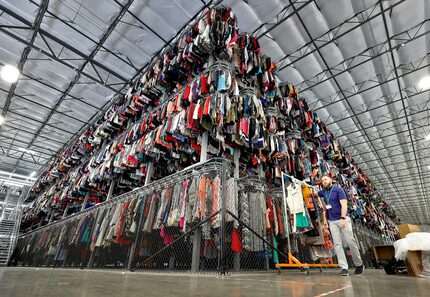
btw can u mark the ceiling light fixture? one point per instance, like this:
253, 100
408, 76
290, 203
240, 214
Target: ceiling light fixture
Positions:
1, 119
428, 137
26, 150
424, 83
9, 73
9, 174
33, 174
14, 183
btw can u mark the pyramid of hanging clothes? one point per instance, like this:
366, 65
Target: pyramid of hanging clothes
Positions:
212, 79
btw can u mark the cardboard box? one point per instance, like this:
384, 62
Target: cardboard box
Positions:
383, 253
405, 229
414, 263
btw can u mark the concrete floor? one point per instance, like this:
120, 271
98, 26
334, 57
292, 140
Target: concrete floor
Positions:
47, 282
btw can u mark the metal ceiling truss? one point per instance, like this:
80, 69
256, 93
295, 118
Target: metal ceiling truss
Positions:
15, 151
400, 89
35, 28
78, 75
46, 84
318, 51
43, 137
368, 55
26, 117
410, 177
378, 135
385, 148
354, 22
102, 110
286, 13
68, 23
375, 82
35, 148
48, 39
363, 109
65, 114
425, 156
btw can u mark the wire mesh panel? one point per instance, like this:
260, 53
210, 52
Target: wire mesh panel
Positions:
255, 234
181, 226
97, 236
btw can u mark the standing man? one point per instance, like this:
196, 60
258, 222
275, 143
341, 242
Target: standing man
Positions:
340, 225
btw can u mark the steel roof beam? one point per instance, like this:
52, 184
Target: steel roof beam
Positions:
143, 24
87, 59
386, 148
393, 60
13, 128
369, 54
58, 90
333, 34
281, 20
44, 106
35, 28
38, 121
351, 129
68, 24
391, 156
57, 59
400, 177
408, 68
51, 152
336, 83
102, 110
76, 79
17, 151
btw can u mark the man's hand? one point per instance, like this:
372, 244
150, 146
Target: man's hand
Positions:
342, 223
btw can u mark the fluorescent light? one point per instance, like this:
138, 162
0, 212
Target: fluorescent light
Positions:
428, 137
9, 73
25, 150
424, 83
1, 119
17, 175
428, 167
33, 174
14, 183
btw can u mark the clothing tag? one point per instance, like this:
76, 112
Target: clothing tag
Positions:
328, 206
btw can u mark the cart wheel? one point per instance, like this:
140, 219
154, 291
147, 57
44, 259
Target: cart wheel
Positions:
321, 270
279, 270
306, 272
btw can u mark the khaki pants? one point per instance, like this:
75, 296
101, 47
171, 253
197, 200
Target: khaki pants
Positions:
344, 235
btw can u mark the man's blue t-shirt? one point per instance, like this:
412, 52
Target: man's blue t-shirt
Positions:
332, 196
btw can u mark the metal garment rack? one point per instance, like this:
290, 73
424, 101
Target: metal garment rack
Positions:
293, 262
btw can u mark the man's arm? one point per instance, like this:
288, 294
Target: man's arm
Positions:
344, 204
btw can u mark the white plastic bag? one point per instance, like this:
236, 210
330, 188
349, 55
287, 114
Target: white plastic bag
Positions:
419, 241
416, 241
401, 248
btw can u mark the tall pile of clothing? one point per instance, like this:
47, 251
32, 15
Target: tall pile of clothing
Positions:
213, 80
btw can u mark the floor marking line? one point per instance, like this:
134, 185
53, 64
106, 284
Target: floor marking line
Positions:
332, 292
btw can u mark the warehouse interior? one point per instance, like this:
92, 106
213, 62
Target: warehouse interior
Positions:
102, 147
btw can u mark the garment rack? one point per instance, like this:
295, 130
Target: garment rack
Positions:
293, 262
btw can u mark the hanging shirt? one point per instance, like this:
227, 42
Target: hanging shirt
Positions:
332, 198
295, 199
